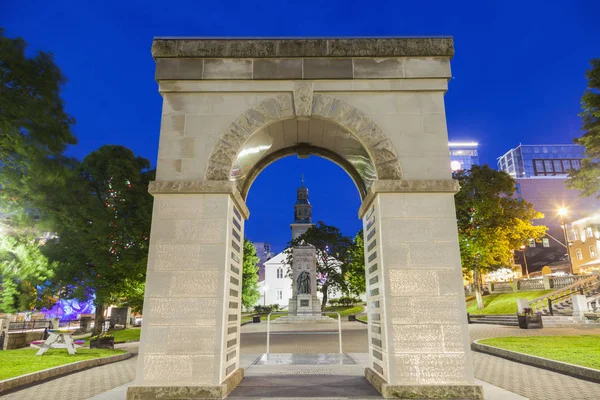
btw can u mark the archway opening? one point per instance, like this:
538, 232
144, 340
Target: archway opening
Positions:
271, 198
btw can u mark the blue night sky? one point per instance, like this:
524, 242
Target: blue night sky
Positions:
518, 74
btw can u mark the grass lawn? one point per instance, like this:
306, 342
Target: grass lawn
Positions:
344, 311
580, 350
364, 318
127, 335
502, 303
20, 362
122, 335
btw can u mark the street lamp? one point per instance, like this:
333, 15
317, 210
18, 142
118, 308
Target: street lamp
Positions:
523, 248
562, 212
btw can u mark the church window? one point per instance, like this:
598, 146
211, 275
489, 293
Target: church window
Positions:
279, 273
280, 295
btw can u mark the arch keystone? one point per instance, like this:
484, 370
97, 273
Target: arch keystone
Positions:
303, 99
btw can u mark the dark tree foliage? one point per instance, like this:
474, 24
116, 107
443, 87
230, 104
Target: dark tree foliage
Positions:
34, 127
103, 225
355, 277
587, 178
250, 292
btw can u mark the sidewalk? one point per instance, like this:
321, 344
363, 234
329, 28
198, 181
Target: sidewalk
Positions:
107, 382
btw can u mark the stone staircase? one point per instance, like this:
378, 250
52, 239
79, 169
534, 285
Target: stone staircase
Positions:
559, 302
500, 319
563, 321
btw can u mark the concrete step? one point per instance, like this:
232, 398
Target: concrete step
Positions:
499, 319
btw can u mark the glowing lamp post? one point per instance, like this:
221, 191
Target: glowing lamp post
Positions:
523, 248
562, 212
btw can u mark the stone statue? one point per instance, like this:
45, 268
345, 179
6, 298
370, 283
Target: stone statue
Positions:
303, 282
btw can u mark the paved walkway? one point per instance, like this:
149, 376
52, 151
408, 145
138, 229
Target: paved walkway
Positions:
531, 382
85, 384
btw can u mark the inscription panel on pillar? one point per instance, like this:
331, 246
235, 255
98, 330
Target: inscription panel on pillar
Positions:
373, 270
230, 357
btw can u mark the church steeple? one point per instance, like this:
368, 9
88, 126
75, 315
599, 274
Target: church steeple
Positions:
302, 212
302, 208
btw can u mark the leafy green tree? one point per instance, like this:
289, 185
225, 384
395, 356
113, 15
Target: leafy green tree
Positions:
34, 127
587, 178
333, 252
23, 269
355, 277
34, 132
491, 223
250, 292
102, 221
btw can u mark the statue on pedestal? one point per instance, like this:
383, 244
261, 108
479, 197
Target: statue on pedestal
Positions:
303, 283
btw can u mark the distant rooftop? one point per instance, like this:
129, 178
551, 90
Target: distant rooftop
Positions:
207, 47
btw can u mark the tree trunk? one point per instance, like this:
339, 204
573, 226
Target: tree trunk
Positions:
324, 302
99, 319
477, 276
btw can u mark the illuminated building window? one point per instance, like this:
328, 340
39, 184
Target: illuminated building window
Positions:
531, 242
575, 234
546, 242
579, 254
588, 232
593, 253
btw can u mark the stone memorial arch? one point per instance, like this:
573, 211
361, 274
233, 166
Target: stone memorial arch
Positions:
373, 106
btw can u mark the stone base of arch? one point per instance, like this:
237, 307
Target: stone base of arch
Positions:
463, 392
186, 392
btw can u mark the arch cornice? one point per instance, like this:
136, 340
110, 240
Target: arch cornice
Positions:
302, 103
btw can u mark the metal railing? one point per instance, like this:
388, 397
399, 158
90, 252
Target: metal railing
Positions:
315, 333
564, 281
530, 284
525, 284
545, 302
28, 325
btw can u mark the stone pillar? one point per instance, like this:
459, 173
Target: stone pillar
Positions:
55, 323
418, 334
522, 304
85, 324
4, 333
547, 284
579, 306
190, 332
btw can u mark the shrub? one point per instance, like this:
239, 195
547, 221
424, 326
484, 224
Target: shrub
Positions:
266, 309
348, 301
334, 302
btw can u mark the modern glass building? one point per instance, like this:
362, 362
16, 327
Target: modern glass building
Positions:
527, 161
463, 155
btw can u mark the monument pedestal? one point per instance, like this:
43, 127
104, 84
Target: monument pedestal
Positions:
304, 306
